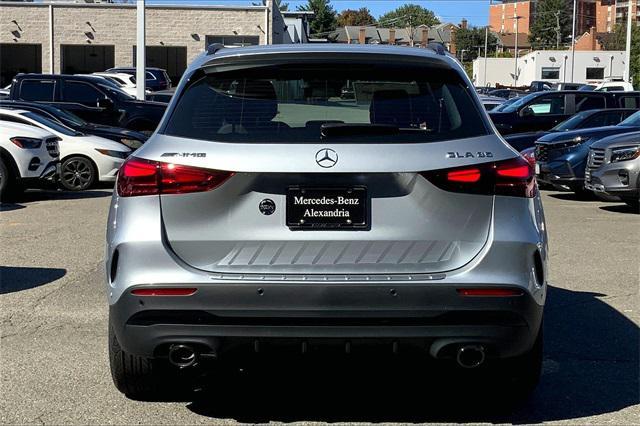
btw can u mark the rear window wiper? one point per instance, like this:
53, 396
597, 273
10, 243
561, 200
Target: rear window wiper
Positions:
329, 130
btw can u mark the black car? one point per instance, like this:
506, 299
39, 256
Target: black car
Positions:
161, 96
94, 99
507, 93
582, 120
130, 138
156, 78
544, 110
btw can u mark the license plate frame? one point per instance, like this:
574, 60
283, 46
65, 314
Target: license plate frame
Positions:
298, 219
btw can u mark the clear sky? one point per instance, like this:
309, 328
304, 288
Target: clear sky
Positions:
476, 11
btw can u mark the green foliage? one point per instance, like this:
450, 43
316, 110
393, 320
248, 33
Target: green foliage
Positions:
324, 19
544, 29
618, 41
470, 39
409, 14
505, 54
361, 16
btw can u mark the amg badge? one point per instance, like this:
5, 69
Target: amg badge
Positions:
478, 154
184, 154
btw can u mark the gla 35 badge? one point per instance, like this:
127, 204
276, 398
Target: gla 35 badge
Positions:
478, 154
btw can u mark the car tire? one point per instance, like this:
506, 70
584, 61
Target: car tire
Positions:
523, 372
137, 377
10, 186
634, 203
77, 174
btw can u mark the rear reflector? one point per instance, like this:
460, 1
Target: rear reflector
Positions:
514, 177
163, 291
145, 177
490, 292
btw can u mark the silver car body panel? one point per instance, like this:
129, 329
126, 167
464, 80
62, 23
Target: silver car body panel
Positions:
421, 240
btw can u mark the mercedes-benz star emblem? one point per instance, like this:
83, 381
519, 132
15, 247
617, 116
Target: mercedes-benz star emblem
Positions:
326, 158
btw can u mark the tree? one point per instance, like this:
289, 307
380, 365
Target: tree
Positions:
552, 24
361, 16
324, 19
471, 39
409, 15
618, 41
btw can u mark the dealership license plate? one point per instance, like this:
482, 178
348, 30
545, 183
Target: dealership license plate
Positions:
327, 208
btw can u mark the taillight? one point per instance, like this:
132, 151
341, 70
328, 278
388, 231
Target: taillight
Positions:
145, 177
513, 177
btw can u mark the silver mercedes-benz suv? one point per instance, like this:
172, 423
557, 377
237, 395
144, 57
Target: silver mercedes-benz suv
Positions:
300, 196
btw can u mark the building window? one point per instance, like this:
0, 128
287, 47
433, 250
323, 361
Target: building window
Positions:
594, 73
550, 74
233, 40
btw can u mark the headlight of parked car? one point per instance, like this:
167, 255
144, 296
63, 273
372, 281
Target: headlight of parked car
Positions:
625, 153
26, 143
131, 143
112, 153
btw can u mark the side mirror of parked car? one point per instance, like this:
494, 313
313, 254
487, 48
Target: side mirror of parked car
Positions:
105, 103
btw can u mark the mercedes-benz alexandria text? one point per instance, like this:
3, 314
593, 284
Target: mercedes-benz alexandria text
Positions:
269, 207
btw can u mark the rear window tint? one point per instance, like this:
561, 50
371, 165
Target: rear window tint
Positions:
318, 102
37, 90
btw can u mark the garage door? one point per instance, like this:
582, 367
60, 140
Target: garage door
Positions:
81, 59
19, 58
173, 59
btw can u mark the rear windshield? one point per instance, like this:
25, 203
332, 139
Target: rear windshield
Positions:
318, 102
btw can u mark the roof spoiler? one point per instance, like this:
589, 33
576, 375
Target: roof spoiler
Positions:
213, 48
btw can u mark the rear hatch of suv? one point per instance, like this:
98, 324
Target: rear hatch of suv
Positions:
326, 166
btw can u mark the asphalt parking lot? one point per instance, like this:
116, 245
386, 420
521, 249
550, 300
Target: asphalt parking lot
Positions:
54, 366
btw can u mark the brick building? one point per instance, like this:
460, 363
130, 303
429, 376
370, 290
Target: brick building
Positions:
601, 14
57, 37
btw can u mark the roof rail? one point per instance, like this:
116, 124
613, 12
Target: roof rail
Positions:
437, 47
214, 47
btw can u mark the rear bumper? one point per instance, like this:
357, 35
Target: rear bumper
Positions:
432, 315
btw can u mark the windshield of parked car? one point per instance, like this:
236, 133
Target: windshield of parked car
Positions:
53, 125
298, 103
519, 102
632, 120
571, 123
69, 118
117, 92
504, 105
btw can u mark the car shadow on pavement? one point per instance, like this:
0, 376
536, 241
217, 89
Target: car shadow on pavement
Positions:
15, 278
45, 195
620, 208
590, 368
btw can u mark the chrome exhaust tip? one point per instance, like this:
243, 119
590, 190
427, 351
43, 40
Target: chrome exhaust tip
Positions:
182, 356
470, 356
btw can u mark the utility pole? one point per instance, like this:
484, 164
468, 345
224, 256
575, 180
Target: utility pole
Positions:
515, 73
558, 32
573, 38
141, 50
486, 48
627, 56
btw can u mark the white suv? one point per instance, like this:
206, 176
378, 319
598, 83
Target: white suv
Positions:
29, 157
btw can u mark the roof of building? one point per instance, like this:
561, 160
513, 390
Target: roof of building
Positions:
509, 40
376, 35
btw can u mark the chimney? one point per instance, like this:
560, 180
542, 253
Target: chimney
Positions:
362, 36
392, 36
453, 48
424, 39
463, 24
594, 38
